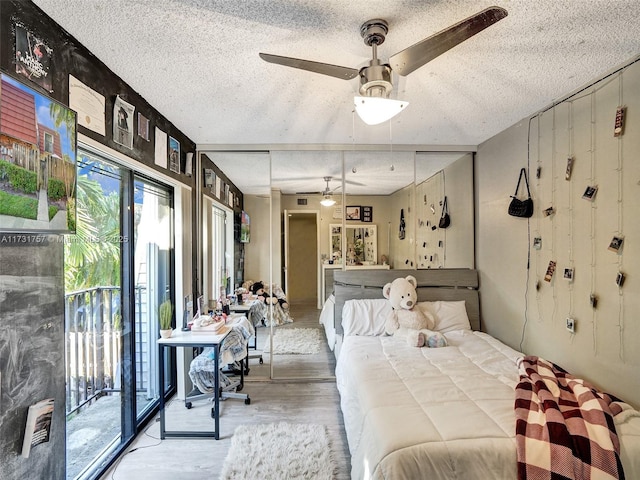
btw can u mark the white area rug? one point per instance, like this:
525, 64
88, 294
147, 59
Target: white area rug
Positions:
303, 341
279, 451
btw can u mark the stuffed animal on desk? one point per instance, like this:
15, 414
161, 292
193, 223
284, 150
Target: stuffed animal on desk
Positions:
412, 323
258, 289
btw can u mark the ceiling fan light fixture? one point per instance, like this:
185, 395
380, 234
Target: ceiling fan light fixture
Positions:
327, 201
375, 110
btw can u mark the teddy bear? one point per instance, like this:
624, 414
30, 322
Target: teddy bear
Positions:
258, 289
415, 324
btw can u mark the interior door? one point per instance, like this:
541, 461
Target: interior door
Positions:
285, 271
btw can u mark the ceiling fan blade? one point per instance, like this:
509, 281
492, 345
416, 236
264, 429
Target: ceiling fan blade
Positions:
337, 71
415, 56
309, 193
353, 182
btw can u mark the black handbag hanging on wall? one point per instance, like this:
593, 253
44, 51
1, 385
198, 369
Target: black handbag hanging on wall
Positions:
445, 219
521, 208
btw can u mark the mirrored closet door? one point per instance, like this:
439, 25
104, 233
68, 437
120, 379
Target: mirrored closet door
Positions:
300, 349
237, 239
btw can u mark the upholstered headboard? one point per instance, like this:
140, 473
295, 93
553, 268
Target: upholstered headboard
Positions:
442, 284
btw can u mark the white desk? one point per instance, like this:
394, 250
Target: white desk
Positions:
242, 307
189, 339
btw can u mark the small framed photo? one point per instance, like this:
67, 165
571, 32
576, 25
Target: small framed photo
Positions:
353, 212
550, 271
537, 243
143, 127
590, 192
618, 128
549, 211
174, 155
568, 274
367, 214
567, 173
616, 244
123, 122
620, 277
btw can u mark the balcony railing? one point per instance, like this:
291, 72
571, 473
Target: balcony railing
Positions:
93, 336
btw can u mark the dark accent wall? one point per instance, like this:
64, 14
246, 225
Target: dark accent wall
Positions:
31, 266
238, 248
31, 351
70, 57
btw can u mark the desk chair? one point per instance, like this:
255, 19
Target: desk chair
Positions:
252, 356
230, 391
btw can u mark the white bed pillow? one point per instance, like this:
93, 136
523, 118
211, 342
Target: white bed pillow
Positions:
365, 317
449, 315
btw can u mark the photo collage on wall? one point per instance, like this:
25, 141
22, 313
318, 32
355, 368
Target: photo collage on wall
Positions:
34, 62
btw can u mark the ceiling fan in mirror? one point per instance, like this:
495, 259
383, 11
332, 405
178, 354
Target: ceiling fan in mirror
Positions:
374, 105
327, 200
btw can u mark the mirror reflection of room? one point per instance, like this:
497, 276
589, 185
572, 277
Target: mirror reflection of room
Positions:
296, 240
361, 245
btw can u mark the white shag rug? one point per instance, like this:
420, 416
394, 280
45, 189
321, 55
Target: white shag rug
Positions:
279, 451
303, 341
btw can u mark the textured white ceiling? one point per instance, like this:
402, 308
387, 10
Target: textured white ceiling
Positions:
197, 62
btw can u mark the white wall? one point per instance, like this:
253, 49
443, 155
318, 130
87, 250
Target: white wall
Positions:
604, 348
256, 252
451, 247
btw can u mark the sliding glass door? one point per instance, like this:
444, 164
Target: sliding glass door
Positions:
217, 253
153, 247
118, 269
93, 315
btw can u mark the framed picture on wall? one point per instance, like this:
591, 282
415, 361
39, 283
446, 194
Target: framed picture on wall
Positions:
38, 165
123, 122
353, 212
33, 58
174, 155
366, 214
143, 127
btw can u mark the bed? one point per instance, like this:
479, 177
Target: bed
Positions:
440, 413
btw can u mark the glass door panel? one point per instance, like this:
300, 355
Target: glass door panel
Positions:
93, 316
153, 227
119, 267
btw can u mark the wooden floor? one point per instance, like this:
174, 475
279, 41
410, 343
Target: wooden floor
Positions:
280, 400
320, 365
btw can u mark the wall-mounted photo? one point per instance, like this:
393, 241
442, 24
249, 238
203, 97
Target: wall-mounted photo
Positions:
353, 213
245, 227
33, 58
123, 122
143, 127
37, 161
174, 155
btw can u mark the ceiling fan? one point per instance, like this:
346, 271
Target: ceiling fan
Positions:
327, 200
326, 192
375, 79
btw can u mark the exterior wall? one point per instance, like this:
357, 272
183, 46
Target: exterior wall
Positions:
518, 305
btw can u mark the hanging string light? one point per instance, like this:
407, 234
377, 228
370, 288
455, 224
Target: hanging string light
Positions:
620, 226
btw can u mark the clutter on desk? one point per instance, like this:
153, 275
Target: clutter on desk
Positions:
209, 323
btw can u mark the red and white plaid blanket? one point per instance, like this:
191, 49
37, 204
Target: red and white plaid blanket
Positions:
564, 426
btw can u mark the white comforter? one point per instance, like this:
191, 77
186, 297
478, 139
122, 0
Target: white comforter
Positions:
326, 319
434, 413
